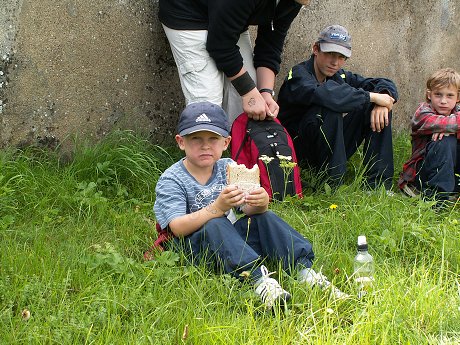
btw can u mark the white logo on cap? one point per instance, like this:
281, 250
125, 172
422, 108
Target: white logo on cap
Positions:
203, 118
337, 36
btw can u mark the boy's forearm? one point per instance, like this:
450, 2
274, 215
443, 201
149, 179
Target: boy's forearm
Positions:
189, 223
426, 123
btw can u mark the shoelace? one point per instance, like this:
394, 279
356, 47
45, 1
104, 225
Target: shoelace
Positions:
270, 287
265, 273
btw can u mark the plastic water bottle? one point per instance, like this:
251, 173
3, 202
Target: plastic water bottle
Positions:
363, 268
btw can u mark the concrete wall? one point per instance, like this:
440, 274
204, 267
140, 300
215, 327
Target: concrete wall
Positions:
80, 69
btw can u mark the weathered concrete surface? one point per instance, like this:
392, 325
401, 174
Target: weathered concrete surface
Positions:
83, 68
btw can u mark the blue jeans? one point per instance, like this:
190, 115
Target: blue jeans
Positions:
436, 175
243, 246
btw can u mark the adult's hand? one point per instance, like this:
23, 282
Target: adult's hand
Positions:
271, 107
254, 105
266, 80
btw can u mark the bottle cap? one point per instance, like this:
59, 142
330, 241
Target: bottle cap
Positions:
362, 243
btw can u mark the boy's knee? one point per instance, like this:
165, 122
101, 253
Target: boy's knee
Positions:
445, 146
440, 155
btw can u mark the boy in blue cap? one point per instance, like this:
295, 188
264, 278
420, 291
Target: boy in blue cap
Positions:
195, 203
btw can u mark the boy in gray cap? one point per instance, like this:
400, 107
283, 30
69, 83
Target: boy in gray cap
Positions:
329, 112
194, 202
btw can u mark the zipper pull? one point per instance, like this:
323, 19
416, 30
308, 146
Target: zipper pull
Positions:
273, 29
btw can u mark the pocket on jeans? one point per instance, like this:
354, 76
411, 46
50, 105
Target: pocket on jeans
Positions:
193, 75
192, 66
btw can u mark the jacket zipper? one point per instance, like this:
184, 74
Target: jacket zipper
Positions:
274, 11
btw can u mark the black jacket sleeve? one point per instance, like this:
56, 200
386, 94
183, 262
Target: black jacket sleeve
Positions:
342, 93
377, 85
228, 19
270, 39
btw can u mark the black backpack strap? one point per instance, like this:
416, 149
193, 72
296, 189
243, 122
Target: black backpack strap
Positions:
246, 137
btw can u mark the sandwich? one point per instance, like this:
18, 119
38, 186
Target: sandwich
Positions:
244, 178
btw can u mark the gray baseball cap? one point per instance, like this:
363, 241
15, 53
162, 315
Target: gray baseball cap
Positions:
335, 38
203, 116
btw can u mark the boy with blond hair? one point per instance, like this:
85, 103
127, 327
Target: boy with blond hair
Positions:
435, 135
194, 202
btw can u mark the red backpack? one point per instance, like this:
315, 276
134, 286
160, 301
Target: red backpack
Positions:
252, 139
164, 235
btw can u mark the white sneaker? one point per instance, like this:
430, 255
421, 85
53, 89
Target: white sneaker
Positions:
269, 290
313, 278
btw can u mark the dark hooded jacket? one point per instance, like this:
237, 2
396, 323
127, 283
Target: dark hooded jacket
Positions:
344, 92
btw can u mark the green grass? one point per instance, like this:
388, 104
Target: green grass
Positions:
72, 237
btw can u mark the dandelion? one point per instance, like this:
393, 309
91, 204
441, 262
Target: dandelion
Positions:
25, 314
333, 206
330, 311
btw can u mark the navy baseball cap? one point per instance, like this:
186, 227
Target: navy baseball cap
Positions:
203, 116
335, 38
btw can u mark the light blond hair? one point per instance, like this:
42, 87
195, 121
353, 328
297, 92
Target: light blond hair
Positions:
445, 77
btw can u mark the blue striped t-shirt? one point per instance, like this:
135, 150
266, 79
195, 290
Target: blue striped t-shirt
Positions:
178, 193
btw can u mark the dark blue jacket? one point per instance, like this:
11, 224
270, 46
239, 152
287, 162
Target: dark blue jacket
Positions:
225, 20
344, 92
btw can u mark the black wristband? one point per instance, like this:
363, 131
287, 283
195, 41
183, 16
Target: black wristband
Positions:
243, 84
270, 91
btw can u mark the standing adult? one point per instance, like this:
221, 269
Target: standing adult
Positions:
210, 43
329, 111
